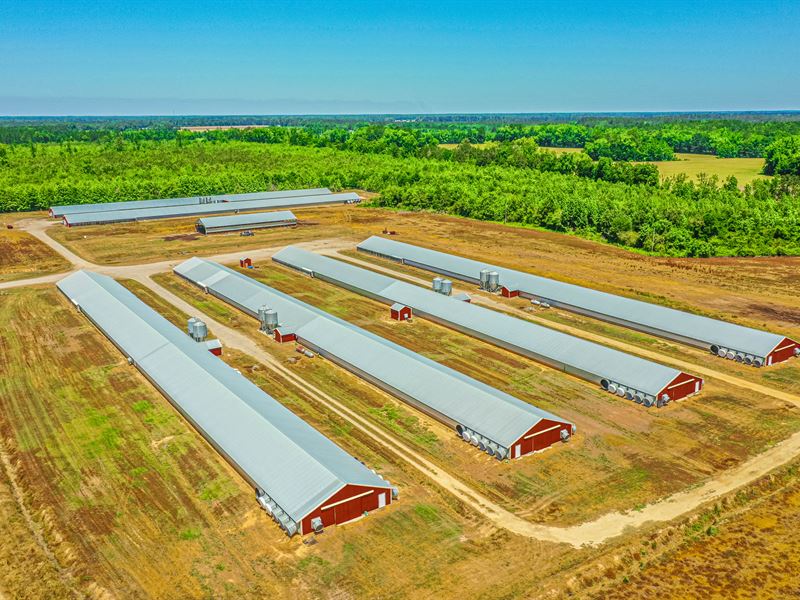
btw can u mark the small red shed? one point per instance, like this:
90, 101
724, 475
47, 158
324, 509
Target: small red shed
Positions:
285, 334
509, 291
214, 346
400, 312
245, 262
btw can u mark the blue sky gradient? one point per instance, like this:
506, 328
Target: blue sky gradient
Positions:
104, 57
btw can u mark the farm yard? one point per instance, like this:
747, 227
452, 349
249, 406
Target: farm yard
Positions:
329, 303
400, 469
127, 436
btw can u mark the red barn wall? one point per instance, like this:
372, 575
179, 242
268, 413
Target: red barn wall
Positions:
680, 387
550, 434
357, 500
783, 351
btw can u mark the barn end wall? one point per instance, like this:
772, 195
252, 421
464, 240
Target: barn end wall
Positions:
542, 435
683, 385
349, 503
783, 351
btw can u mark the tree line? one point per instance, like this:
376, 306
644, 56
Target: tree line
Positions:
679, 218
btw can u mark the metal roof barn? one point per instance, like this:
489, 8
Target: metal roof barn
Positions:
296, 471
490, 419
144, 214
74, 209
261, 220
745, 344
635, 378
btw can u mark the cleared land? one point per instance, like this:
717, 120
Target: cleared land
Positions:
115, 480
108, 530
23, 256
606, 467
746, 170
743, 548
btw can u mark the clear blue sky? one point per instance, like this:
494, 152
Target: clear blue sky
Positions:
244, 57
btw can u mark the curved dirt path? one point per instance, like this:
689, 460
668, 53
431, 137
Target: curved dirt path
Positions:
589, 533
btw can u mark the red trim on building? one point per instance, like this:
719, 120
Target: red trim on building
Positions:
680, 387
507, 293
401, 315
280, 338
542, 435
783, 351
216, 351
349, 503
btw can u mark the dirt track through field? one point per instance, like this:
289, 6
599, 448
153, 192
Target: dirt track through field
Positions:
34, 527
588, 533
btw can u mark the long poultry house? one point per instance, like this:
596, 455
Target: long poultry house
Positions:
500, 424
75, 209
189, 210
735, 342
301, 478
637, 379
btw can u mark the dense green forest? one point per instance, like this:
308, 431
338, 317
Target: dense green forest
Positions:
679, 218
617, 137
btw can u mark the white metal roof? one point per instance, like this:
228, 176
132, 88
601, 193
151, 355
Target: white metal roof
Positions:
247, 219
669, 321
73, 209
587, 357
466, 401
291, 461
123, 216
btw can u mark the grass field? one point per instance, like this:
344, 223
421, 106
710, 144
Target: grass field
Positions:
745, 170
113, 480
730, 550
23, 256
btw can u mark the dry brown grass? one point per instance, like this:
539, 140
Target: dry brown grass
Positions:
64, 391
23, 256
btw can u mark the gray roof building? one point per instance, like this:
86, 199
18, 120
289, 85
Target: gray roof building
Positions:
259, 220
73, 209
632, 375
294, 468
144, 214
495, 420
738, 342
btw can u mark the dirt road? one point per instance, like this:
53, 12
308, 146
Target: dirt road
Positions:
588, 533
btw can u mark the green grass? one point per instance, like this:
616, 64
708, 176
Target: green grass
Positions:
190, 534
745, 170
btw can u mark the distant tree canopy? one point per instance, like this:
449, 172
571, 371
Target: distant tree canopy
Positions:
783, 157
678, 218
631, 138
